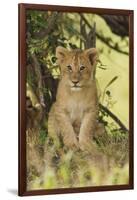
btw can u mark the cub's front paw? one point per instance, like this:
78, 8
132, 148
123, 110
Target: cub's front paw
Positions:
71, 141
85, 143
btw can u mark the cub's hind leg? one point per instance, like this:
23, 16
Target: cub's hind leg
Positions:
100, 130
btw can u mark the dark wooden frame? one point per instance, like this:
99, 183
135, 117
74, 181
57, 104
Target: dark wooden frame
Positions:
22, 99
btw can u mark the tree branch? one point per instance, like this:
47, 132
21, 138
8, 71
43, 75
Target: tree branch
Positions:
114, 117
39, 77
118, 24
103, 39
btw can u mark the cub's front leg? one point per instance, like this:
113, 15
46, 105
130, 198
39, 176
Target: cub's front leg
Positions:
65, 128
87, 130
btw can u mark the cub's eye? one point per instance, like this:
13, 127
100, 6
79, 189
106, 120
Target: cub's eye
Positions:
69, 67
82, 67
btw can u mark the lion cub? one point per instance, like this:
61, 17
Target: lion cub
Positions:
73, 116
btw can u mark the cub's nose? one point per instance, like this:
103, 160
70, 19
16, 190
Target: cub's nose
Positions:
75, 82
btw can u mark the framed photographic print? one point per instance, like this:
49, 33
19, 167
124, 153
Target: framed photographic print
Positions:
75, 99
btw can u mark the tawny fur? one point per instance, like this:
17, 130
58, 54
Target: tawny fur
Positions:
74, 114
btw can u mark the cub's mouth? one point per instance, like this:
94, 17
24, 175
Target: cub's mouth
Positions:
76, 88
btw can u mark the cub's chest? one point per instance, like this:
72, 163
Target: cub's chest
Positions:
75, 109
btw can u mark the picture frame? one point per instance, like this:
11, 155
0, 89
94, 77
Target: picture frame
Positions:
22, 164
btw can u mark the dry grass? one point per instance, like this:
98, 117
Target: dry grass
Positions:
107, 164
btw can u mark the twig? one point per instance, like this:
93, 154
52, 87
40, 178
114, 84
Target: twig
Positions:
101, 66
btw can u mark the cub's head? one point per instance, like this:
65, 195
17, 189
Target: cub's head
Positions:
77, 67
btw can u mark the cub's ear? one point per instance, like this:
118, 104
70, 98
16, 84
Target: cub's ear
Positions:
61, 53
93, 55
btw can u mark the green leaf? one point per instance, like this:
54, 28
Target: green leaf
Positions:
112, 81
